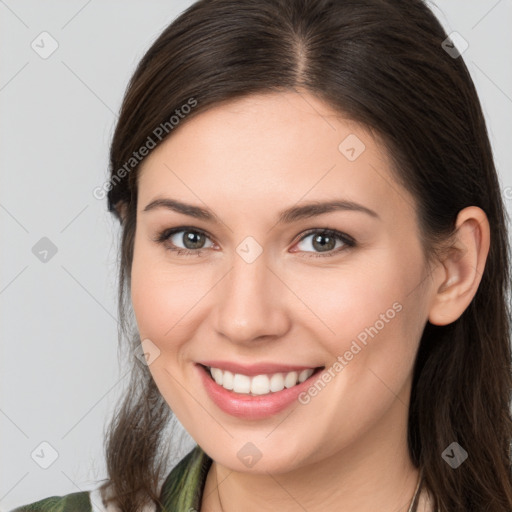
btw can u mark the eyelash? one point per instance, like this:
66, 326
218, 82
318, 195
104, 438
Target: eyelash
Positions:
163, 238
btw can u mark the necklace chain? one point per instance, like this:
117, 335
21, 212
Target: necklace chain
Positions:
409, 510
416, 491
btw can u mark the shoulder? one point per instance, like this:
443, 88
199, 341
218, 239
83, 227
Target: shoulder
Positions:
75, 502
183, 488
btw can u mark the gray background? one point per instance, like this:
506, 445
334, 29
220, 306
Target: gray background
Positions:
60, 374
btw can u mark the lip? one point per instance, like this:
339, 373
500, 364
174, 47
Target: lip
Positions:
254, 369
252, 407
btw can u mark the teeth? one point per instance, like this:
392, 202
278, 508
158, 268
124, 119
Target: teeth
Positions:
277, 382
227, 379
259, 384
291, 379
241, 383
217, 375
305, 374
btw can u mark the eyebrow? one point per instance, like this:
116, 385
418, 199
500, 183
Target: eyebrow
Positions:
287, 216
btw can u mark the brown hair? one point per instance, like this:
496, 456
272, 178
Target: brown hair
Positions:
380, 63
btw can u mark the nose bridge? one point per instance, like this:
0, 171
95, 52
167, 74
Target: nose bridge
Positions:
249, 302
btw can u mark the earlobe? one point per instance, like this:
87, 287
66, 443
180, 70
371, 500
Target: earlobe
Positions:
463, 267
121, 209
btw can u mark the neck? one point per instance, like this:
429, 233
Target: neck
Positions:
373, 473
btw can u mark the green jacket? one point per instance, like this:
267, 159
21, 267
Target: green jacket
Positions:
182, 490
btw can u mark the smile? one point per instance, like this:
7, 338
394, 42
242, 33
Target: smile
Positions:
258, 384
257, 391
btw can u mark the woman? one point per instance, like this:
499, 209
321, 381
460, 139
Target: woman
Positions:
315, 249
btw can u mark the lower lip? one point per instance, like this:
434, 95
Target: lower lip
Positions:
249, 406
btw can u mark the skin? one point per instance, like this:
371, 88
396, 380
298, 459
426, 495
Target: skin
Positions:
345, 450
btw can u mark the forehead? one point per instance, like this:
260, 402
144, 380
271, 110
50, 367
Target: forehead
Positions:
269, 150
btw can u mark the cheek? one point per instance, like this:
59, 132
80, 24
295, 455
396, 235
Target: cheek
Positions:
163, 304
155, 308
371, 316
377, 313
350, 301
162, 296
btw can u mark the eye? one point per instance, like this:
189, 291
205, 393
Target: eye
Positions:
328, 242
191, 238
325, 241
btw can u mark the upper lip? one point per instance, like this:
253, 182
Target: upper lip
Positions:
255, 368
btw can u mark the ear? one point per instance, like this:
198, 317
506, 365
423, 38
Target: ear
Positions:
461, 270
121, 209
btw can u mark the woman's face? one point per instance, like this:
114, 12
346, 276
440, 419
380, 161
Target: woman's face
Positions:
257, 292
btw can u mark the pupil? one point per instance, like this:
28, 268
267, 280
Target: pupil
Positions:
323, 246
192, 238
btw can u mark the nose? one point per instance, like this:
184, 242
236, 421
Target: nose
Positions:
250, 303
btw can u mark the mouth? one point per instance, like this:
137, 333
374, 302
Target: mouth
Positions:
262, 383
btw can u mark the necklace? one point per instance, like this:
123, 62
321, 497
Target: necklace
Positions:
414, 504
412, 508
